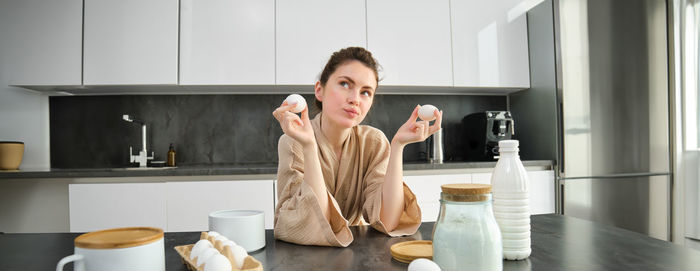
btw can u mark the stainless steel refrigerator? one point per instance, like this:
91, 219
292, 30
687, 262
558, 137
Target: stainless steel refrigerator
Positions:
612, 87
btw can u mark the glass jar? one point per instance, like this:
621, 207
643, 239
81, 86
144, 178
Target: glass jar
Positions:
466, 235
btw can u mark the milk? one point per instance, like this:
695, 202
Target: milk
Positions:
511, 202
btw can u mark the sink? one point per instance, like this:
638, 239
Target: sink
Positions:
142, 168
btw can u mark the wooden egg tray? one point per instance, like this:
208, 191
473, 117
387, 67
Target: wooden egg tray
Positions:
249, 264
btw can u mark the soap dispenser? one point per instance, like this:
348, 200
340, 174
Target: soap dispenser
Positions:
171, 156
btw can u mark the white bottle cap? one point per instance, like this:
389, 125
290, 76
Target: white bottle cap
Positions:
508, 145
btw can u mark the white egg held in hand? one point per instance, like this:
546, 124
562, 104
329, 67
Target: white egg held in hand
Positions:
422, 264
200, 246
217, 262
239, 255
299, 100
427, 112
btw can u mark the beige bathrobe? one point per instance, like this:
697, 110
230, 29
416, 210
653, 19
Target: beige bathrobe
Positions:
354, 188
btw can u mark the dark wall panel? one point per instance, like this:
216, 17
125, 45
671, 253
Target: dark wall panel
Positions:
88, 131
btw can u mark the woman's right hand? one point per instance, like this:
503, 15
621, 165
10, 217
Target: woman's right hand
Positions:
298, 128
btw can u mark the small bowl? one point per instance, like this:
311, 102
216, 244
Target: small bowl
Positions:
245, 227
11, 153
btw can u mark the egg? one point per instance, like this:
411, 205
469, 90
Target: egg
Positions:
427, 112
213, 234
299, 100
217, 262
221, 238
422, 264
200, 246
205, 255
239, 255
228, 243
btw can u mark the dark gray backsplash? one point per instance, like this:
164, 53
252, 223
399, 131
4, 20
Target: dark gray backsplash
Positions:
88, 131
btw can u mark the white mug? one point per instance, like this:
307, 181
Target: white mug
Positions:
122, 252
245, 227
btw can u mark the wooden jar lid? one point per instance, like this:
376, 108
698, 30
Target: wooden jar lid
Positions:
408, 251
119, 238
466, 192
466, 188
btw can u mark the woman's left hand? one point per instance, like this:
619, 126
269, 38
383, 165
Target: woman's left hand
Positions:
416, 131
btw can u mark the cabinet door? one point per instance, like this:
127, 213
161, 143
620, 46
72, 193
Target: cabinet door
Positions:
45, 41
411, 41
103, 206
489, 49
541, 191
482, 178
309, 31
130, 42
189, 203
227, 42
427, 190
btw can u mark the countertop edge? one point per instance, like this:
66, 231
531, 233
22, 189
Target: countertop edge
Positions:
223, 170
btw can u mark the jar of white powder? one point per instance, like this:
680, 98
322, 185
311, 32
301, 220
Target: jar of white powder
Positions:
466, 235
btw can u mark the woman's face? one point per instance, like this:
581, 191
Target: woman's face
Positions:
348, 94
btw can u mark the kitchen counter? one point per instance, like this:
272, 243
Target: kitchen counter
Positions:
558, 243
219, 169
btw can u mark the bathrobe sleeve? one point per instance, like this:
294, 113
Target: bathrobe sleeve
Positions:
374, 178
298, 216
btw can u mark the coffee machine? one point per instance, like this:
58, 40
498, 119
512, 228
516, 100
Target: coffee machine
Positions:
482, 131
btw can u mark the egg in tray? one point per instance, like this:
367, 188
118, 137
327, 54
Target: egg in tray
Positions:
214, 252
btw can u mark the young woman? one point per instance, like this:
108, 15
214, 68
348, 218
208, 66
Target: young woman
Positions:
334, 172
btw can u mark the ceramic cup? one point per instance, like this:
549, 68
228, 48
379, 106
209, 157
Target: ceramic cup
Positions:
245, 227
134, 249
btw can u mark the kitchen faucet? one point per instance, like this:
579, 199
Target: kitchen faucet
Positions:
142, 158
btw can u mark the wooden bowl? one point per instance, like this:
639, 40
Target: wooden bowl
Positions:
11, 153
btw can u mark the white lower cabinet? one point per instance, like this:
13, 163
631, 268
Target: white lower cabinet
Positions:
172, 206
541, 192
103, 206
189, 203
427, 190
185, 206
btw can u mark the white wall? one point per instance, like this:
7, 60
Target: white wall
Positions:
24, 115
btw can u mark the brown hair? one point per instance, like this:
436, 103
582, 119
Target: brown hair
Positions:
341, 57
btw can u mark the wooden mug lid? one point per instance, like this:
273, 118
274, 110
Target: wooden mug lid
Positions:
119, 238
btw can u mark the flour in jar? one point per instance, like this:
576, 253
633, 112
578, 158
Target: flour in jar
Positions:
468, 244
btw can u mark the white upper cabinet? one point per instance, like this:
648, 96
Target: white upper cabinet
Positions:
489, 48
227, 42
130, 42
45, 41
411, 41
309, 31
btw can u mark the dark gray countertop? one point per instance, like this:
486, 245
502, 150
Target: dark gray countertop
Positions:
215, 169
558, 243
